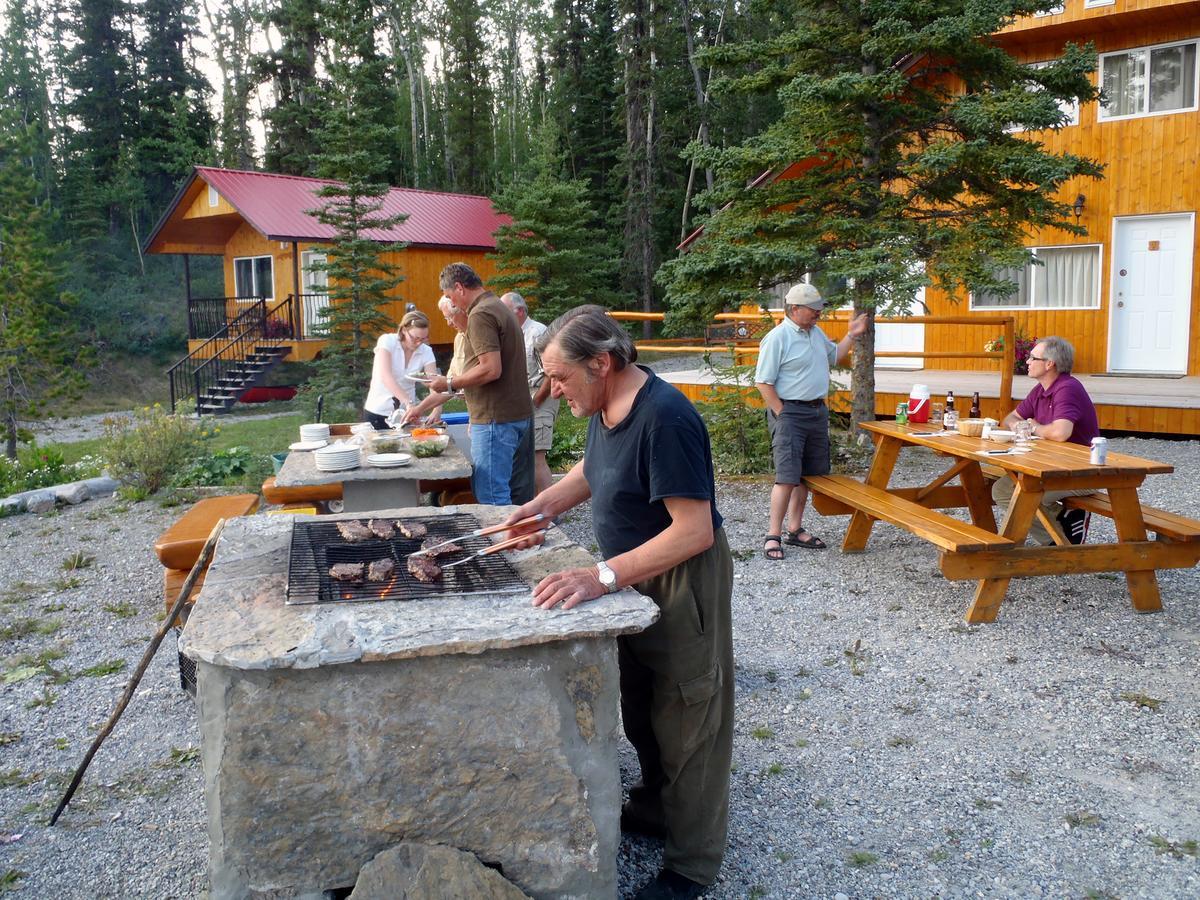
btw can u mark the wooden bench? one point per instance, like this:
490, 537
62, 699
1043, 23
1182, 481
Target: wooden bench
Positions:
179, 546
311, 493
1164, 524
946, 532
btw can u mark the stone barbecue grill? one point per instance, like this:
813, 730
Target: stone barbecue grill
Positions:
317, 545
331, 731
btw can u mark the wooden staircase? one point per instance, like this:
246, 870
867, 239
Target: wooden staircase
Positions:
209, 380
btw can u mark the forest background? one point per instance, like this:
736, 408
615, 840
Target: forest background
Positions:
110, 102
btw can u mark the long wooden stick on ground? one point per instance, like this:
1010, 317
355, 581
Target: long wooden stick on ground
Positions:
184, 593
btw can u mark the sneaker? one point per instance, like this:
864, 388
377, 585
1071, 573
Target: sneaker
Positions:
1074, 523
670, 885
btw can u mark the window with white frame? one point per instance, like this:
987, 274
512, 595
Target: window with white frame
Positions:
253, 277
1061, 278
1088, 4
1052, 11
213, 196
1070, 108
1148, 80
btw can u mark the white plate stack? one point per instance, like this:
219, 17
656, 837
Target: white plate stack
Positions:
389, 460
318, 431
337, 457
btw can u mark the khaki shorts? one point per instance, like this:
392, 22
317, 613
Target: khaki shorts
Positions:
543, 423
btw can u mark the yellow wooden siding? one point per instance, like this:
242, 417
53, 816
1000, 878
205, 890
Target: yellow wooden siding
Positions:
1078, 17
198, 206
420, 267
1150, 169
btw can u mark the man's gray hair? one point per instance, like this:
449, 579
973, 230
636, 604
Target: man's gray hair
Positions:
584, 333
459, 273
517, 301
446, 305
1060, 352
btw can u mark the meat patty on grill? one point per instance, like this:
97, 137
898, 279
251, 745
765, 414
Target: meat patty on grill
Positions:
354, 530
380, 569
382, 529
424, 569
412, 529
346, 572
429, 548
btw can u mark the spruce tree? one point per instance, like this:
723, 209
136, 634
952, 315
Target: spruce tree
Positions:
41, 358
554, 252
353, 152
901, 116
468, 99
292, 123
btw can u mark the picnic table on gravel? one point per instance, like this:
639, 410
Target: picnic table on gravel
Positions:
978, 550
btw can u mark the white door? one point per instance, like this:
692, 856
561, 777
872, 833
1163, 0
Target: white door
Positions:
1151, 298
315, 286
899, 338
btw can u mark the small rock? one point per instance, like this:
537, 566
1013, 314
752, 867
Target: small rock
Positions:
430, 872
40, 501
71, 494
102, 486
10, 506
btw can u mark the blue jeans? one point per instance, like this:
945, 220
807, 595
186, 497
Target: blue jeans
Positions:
493, 452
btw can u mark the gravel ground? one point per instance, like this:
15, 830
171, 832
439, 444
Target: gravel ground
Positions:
883, 748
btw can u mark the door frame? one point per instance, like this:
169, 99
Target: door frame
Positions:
1190, 215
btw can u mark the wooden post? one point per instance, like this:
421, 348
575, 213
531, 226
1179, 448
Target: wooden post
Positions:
1007, 364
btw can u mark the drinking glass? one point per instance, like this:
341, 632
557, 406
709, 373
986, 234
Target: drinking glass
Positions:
1022, 431
935, 414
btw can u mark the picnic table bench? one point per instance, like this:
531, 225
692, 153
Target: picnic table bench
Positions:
979, 550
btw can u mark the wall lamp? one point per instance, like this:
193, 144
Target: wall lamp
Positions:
1077, 208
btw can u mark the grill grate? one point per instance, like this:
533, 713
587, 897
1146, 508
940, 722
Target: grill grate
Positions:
316, 546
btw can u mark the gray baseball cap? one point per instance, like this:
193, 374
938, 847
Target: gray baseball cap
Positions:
804, 295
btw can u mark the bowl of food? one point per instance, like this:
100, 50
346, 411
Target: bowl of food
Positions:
424, 447
971, 427
1001, 437
385, 442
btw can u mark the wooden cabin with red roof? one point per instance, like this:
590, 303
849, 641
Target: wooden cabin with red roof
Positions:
271, 244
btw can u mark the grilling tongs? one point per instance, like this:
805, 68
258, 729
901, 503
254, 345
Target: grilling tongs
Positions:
480, 532
496, 548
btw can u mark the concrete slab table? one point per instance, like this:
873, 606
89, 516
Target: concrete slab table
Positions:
330, 732
371, 487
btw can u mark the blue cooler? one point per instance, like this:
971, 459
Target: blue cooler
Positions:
456, 427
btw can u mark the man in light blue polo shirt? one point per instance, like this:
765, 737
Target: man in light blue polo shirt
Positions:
793, 377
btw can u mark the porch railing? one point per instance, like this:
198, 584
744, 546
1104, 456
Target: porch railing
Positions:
204, 371
209, 316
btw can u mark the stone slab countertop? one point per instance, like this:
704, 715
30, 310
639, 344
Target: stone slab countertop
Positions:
300, 469
240, 619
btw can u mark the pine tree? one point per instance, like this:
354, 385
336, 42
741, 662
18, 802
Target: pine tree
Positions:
354, 152
554, 252
23, 88
902, 116
468, 99
40, 354
291, 124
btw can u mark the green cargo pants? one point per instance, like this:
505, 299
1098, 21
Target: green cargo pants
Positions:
677, 708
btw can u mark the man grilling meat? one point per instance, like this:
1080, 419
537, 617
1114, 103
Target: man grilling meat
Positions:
648, 471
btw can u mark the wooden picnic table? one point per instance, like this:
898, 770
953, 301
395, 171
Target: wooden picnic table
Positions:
978, 550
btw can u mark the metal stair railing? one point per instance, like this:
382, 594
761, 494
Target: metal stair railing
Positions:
227, 355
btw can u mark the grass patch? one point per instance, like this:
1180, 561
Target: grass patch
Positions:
856, 658
101, 670
78, 560
62, 744
23, 628
901, 740
10, 880
66, 583
17, 778
20, 592
1137, 698
986, 803
1083, 818
801, 743
941, 854
1177, 849
123, 610
762, 733
46, 699
860, 859
9, 737
774, 769
183, 756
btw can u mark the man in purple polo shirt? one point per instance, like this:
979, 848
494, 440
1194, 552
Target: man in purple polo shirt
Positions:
1058, 409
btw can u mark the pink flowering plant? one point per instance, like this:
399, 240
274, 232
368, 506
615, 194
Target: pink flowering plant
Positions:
1023, 347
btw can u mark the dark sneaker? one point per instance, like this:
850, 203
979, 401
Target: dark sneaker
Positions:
1074, 523
670, 885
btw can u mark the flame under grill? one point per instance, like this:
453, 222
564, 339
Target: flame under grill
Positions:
316, 546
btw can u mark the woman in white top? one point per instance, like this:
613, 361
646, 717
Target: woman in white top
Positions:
397, 355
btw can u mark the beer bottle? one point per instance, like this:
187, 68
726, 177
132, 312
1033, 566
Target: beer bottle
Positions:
975, 414
950, 416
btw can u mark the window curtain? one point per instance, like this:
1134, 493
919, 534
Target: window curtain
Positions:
243, 277
1124, 83
1067, 277
1173, 77
1018, 298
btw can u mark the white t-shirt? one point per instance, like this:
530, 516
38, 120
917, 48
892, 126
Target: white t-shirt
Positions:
379, 398
531, 331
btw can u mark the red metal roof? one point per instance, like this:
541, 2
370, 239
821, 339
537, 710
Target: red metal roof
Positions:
279, 205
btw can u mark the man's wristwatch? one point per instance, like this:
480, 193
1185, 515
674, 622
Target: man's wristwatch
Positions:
607, 577
450, 383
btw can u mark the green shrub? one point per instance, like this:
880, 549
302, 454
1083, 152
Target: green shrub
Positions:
39, 467
146, 452
737, 430
219, 467
570, 438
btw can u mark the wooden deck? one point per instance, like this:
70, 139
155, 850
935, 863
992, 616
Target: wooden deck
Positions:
1151, 405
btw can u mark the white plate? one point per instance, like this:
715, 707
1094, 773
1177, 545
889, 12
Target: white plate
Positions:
337, 467
307, 445
389, 460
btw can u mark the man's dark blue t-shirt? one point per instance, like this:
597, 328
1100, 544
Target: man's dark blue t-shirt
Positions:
661, 449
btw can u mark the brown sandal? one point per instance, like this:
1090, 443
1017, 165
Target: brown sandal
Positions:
792, 539
772, 553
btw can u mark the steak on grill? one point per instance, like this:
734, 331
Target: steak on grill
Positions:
352, 572
412, 529
354, 531
380, 569
382, 529
430, 549
424, 569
